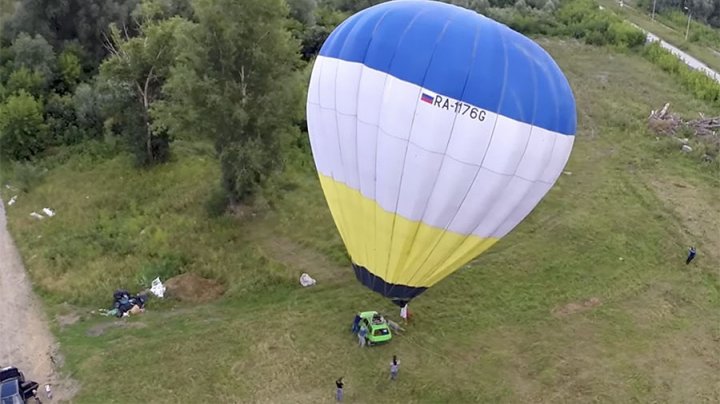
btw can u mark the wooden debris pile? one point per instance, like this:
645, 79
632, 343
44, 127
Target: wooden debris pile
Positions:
667, 123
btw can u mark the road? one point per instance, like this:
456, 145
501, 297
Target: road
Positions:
26, 341
689, 60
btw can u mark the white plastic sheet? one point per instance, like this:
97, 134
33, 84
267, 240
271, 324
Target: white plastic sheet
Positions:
157, 288
306, 280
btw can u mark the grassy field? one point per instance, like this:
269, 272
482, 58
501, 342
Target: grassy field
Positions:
513, 327
673, 35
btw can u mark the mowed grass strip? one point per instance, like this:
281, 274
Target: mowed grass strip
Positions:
587, 300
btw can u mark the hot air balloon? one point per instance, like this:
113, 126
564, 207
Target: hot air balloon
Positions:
435, 131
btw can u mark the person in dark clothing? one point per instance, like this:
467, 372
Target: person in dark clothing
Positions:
339, 391
356, 324
691, 255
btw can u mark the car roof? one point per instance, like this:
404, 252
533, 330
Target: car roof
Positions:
368, 313
9, 372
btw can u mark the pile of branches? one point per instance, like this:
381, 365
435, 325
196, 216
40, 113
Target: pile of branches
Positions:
667, 123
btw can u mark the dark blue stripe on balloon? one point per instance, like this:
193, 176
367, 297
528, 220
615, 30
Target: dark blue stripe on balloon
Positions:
399, 294
430, 44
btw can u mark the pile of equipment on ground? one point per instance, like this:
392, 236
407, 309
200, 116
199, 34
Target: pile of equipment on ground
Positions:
125, 304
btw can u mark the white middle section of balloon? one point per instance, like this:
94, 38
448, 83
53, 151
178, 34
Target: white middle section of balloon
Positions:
445, 167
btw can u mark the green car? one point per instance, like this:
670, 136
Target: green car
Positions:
378, 329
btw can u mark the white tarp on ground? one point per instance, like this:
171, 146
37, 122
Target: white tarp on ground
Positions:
306, 280
157, 288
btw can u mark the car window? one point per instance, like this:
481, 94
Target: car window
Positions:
8, 389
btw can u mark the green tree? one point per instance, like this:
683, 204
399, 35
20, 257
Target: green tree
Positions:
142, 64
313, 36
22, 128
34, 53
477, 5
70, 69
6, 63
25, 79
88, 110
61, 120
235, 83
59, 21
303, 11
162, 9
351, 6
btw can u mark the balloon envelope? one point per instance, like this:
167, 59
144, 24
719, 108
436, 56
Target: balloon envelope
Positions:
435, 131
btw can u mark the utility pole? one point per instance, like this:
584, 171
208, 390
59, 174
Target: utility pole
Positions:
687, 31
653, 13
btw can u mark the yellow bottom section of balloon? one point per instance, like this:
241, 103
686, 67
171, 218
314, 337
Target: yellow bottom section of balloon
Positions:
398, 250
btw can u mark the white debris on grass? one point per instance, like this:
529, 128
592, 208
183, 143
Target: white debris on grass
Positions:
47, 211
306, 280
157, 288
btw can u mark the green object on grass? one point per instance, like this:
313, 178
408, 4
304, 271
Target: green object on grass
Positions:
378, 329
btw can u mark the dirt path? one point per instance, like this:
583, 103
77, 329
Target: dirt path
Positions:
26, 339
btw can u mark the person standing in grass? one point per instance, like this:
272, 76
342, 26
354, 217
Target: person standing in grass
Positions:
339, 384
394, 367
691, 255
361, 335
405, 313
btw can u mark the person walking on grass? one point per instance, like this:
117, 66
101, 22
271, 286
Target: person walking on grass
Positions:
394, 367
691, 255
339, 389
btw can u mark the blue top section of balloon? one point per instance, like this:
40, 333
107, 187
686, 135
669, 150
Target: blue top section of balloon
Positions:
460, 54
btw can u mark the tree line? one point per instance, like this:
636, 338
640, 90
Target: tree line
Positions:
706, 11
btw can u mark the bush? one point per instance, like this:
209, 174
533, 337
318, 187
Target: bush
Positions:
580, 19
217, 202
88, 110
244, 166
625, 35
165, 266
62, 121
529, 22
583, 19
701, 85
27, 175
23, 132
